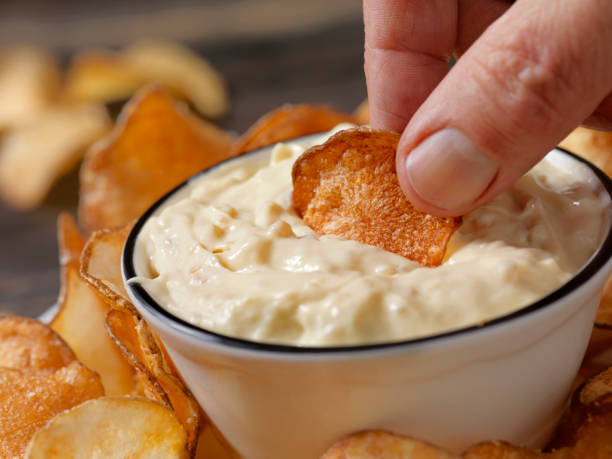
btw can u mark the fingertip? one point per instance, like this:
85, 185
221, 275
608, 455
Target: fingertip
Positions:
446, 174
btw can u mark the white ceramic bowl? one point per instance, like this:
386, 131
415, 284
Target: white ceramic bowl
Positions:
508, 379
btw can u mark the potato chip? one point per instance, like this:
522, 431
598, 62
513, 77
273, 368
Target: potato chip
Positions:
34, 155
597, 389
601, 340
179, 70
101, 76
288, 122
155, 145
70, 241
157, 377
593, 441
80, 320
379, 444
28, 345
348, 187
500, 450
101, 264
29, 83
111, 427
28, 400
592, 398
139, 345
362, 113
603, 319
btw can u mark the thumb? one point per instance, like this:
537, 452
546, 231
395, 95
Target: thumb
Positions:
536, 73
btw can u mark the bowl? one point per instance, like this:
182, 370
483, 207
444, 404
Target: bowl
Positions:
506, 379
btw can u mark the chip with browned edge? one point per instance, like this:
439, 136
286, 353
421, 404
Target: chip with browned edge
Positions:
155, 145
288, 122
101, 264
80, 320
136, 340
157, 378
380, 444
29, 399
348, 187
111, 427
28, 345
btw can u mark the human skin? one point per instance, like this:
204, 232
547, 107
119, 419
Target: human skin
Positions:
527, 73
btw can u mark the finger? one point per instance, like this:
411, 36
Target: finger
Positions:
407, 47
602, 117
473, 19
532, 76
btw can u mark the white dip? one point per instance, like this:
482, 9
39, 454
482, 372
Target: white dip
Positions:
230, 255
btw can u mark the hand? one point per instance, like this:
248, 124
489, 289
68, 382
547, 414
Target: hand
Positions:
527, 74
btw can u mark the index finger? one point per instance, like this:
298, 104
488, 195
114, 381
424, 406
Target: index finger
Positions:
408, 44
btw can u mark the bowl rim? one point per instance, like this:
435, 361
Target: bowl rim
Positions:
142, 298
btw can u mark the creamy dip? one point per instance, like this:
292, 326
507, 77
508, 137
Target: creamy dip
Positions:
229, 254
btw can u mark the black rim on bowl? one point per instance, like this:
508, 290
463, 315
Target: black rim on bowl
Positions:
596, 262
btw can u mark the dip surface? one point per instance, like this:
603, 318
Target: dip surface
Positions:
229, 254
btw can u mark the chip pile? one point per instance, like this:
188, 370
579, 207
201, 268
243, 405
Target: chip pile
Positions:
39, 378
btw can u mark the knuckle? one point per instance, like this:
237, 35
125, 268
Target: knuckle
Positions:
526, 80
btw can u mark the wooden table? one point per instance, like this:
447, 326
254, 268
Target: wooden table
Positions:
320, 65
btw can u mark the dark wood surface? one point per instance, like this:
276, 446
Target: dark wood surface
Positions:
321, 65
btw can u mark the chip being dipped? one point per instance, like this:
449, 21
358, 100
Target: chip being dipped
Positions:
348, 187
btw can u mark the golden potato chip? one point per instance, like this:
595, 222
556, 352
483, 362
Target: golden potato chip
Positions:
362, 113
500, 450
157, 377
28, 400
179, 70
28, 345
601, 340
288, 122
80, 320
29, 83
597, 389
155, 145
348, 187
596, 146
101, 76
70, 241
593, 441
34, 155
592, 397
603, 319
111, 427
101, 264
379, 444
139, 345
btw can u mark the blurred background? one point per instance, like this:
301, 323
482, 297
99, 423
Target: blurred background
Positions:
268, 53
